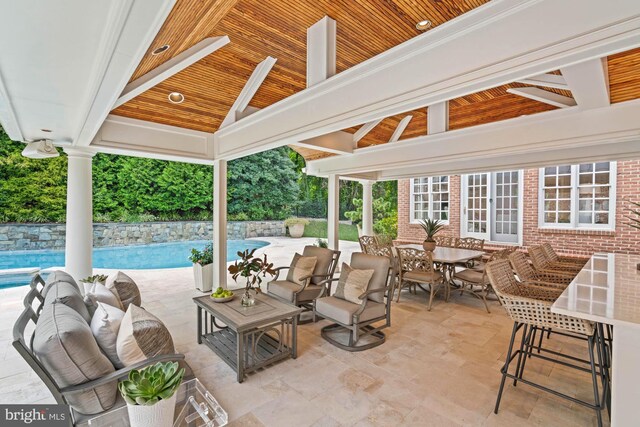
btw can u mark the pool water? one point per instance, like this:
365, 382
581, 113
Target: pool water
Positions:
154, 256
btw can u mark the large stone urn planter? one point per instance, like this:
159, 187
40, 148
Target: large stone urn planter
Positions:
296, 231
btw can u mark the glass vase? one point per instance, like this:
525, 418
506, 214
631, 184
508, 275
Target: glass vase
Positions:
247, 298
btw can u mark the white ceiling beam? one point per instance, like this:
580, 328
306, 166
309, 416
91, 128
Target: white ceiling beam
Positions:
364, 130
402, 125
545, 96
139, 138
249, 90
428, 69
171, 67
438, 118
321, 51
547, 80
588, 82
335, 142
8, 116
565, 129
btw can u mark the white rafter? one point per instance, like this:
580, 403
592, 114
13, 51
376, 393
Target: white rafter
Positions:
402, 125
547, 80
364, 130
171, 67
438, 118
339, 142
545, 96
249, 90
588, 82
321, 51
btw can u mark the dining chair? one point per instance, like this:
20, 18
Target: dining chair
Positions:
416, 268
366, 241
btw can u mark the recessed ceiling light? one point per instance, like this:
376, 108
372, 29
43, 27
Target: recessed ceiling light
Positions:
423, 25
160, 50
176, 97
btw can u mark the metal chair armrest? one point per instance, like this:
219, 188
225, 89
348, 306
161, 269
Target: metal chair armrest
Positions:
121, 373
278, 270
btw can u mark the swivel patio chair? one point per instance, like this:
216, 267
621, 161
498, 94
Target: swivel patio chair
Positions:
554, 258
354, 328
526, 272
415, 269
543, 265
313, 286
366, 242
529, 306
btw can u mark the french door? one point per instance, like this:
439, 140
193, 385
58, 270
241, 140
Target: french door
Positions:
491, 206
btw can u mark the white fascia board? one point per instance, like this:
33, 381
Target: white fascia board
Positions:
139, 138
546, 80
339, 142
589, 82
129, 41
544, 96
249, 90
173, 66
568, 129
443, 64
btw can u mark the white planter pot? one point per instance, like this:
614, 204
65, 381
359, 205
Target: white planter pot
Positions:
203, 276
158, 415
296, 230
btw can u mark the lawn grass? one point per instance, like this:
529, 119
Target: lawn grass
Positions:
318, 228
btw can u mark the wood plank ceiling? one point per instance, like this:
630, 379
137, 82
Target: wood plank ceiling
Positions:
365, 28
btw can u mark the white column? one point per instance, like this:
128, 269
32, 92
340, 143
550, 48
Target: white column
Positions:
367, 208
333, 211
220, 223
79, 229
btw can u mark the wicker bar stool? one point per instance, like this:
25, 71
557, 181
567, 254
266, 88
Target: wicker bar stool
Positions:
527, 273
529, 306
543, 265
554, 258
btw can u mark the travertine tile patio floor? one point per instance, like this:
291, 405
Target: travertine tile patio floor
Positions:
438, 368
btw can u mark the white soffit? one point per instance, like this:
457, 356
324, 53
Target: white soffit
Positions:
63, 64
443, 64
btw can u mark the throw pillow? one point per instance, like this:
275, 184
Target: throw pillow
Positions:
301, 266
125, 288
105, 325
63, 343
352, 283
97, 292
142, 335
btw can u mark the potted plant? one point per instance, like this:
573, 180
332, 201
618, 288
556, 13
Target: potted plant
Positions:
97, 278
203, 267
150, 394
296, 226
253, 269
634, 219
431, 227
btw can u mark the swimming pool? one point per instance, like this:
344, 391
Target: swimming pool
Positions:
154, 256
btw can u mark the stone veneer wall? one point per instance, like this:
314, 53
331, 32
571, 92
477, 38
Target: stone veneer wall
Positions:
52, 236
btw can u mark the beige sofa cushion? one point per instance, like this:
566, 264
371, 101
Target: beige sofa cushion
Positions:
105, 325
301, 266
64, 344
125, 288
69, 295
352, 283
342, 310
56, 277
142, 335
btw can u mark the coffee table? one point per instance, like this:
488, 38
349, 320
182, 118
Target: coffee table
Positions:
248, 338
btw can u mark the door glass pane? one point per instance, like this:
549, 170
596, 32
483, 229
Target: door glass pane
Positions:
477, 203
506, 207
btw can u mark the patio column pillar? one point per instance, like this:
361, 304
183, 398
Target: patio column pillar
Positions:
79, 228
367, 208
220, 223
333, 211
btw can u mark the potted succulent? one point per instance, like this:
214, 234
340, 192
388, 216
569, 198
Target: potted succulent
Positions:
634, 219
150, 394
253, 269
97, 278
431, 227
203, 267
296, 226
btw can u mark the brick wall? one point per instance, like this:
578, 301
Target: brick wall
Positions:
579, 242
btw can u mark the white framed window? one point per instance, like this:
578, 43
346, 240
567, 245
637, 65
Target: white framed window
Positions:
578, 196
430, 198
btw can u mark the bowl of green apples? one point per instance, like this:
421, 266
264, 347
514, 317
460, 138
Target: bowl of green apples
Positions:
222, 295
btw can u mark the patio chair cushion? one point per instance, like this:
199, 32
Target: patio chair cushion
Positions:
422, 276
342, 310
97, 292
471, 275
301, 266
69, 295
56, 277
125, 288
141, 336
285, 290
105, 325
352, 283
324, 257
65, 346
380, 266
